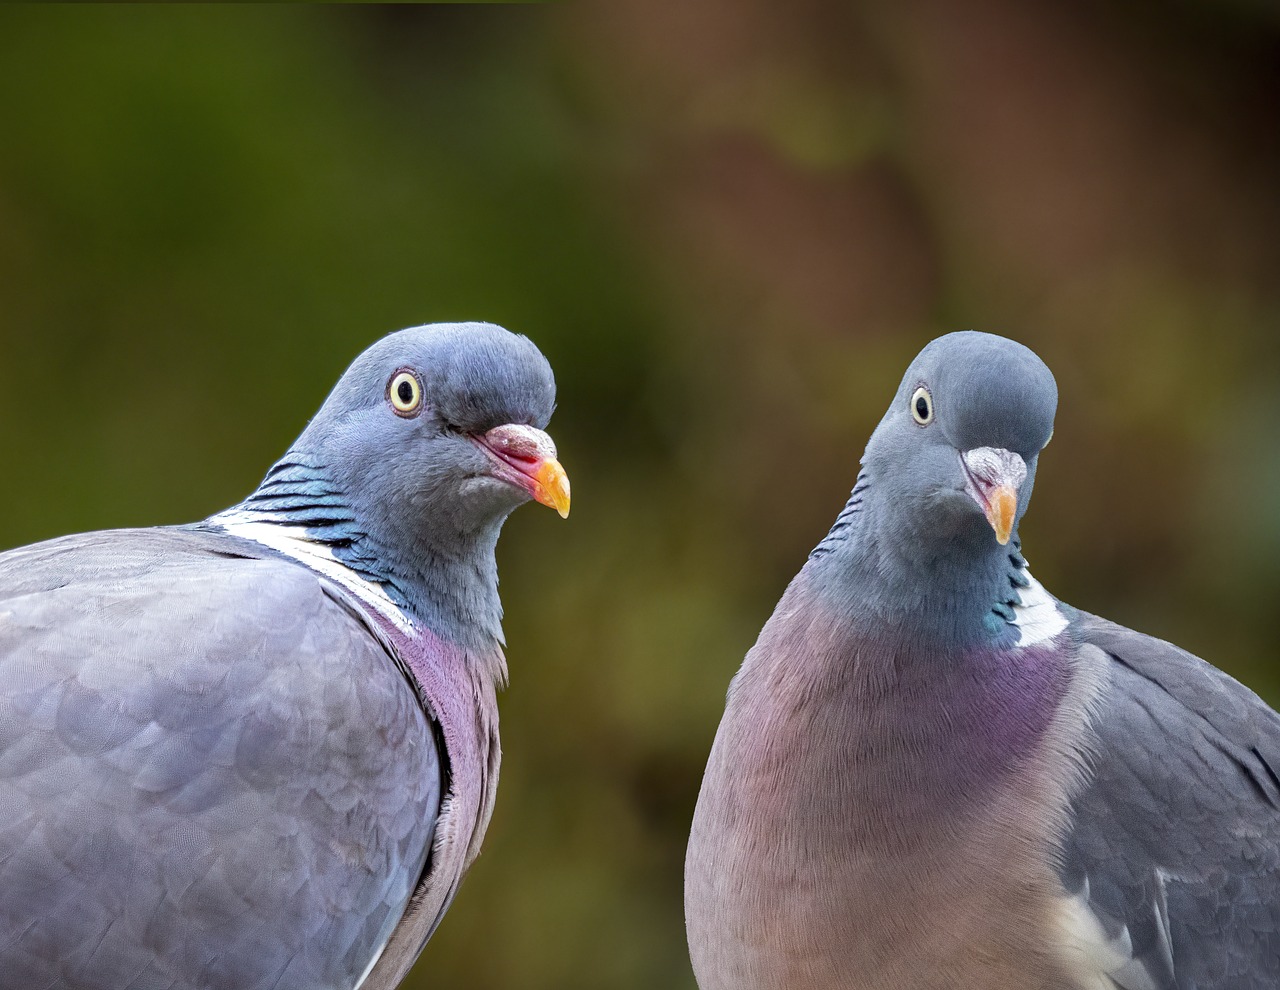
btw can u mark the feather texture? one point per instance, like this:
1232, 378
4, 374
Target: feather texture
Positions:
213, 776
260, 752
932, 774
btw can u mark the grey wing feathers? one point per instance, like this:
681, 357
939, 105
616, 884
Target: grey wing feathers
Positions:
211, 774
1175, 847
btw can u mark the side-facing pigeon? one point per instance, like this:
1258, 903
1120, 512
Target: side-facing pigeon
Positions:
259, 752
932, 774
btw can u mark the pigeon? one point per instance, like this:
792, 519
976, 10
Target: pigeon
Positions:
259, 752
931, 773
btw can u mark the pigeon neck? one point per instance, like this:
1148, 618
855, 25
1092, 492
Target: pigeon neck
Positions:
892, 575
300, 512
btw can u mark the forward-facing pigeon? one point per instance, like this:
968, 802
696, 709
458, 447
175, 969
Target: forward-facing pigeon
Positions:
259, 752
932, 774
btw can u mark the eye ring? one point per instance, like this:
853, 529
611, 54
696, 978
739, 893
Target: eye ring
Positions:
922, 406
404, 392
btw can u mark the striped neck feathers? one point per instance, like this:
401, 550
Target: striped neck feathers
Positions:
299, 511
927, 585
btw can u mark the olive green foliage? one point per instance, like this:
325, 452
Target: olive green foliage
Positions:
729, 225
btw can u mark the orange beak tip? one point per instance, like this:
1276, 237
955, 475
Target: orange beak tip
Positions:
552, 486
1001, 510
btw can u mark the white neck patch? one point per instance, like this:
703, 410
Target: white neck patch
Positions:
292, 541
1038, 618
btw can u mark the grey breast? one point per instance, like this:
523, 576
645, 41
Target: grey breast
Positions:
212, 774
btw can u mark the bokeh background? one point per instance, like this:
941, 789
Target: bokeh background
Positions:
730, 225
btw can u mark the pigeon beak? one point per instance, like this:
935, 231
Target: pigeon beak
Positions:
526, 457
551, 486
992, 479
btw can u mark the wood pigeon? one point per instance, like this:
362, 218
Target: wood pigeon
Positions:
933, 774
259, 752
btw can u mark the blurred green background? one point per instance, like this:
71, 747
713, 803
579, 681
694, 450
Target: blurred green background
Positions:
729, 225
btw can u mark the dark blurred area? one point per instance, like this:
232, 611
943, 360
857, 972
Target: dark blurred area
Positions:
729, 225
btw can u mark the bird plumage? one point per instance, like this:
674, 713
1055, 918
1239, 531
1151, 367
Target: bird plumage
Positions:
188, 796
261, 751
1174, 847
931, 773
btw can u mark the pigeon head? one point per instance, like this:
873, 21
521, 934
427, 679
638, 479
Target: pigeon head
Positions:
436, 432
954, 457
406, 474
923, 542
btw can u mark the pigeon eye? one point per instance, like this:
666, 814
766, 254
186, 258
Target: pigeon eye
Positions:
922, 406
405, 393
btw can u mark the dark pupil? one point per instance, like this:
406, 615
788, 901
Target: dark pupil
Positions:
405, 391
922, 407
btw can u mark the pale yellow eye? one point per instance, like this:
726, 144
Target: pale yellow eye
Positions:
405, 393
922, 406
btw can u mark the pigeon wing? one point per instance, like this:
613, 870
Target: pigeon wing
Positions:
1174, 855
212, 773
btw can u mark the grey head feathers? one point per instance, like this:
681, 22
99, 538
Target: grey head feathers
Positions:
918, 544
989, 392
392, 476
